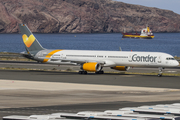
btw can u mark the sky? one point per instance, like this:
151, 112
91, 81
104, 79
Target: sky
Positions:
173, 5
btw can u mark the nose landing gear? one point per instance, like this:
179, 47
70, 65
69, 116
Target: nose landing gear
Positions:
160, 71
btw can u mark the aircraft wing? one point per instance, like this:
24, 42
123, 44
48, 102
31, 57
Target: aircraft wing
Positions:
82, 61
74, 61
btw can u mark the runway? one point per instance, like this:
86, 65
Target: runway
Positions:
27, 92
91, 78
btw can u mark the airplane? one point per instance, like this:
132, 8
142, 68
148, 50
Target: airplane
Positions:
91, 60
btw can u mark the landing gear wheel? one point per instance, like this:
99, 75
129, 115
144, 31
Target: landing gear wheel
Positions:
159, 75
160, 72
82, 72
100, 72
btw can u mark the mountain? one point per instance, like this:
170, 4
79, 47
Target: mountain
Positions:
84, 16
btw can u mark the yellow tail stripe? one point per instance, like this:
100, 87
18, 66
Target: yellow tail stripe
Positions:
50, 54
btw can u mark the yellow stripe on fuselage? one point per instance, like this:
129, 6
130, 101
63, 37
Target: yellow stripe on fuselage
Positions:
50, 54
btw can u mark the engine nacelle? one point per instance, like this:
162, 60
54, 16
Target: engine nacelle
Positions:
121, 68
91, 67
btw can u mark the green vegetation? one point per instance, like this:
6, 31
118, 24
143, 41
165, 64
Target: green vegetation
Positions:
8, 53
12, 57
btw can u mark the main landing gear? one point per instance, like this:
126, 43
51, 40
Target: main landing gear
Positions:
85, 72
160, 71
82, 72
100, 72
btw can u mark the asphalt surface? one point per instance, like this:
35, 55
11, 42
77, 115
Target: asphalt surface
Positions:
91, 78
114, 79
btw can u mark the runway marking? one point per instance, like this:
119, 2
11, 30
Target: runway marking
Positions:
60, 86
128, 75
39, 112
171, 71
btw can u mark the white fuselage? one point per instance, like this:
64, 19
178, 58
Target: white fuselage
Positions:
109, 58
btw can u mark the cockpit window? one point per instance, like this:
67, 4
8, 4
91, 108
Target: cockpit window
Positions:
170, 59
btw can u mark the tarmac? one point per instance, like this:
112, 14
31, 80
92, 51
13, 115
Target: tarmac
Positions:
27, 92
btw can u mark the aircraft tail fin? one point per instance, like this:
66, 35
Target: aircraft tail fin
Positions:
31, 43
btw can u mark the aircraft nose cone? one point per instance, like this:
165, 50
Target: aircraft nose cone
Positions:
177, 63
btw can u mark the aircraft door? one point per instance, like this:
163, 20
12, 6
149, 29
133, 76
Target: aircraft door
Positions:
159, 59
130, 57
63, 56
40, 54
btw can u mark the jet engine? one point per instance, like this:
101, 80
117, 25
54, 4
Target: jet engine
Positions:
121, 68
91, 67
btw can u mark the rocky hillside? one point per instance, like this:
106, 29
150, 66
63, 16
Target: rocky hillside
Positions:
83, 16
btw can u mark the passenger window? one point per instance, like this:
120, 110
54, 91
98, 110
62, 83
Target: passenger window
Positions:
170, 59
